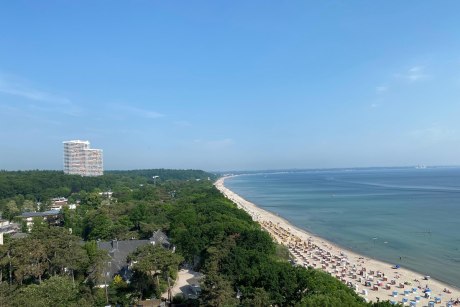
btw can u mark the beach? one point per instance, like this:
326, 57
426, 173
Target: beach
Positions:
372, 279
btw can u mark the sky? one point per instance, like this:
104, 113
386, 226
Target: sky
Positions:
231, 85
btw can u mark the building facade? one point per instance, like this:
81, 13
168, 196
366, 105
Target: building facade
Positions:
80, 159
52, 217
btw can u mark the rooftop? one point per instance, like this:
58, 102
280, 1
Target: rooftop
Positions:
77, 141
41, 214
119, 250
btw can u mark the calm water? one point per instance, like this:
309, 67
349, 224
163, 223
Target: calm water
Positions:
385, 213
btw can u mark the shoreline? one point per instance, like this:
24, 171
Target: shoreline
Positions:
371, 278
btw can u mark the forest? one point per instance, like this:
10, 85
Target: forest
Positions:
62, 266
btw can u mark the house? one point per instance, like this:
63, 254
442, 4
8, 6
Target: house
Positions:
119, 250
8, 227
58, 202
53, 217
159, 237
118, 253
107, 194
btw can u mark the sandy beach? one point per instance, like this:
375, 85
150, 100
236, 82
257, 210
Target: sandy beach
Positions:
372, 279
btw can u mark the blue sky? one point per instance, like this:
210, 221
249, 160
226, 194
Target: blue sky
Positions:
231, 85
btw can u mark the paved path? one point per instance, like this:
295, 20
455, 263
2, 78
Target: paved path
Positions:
185, 280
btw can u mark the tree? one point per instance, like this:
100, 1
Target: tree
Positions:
138, 213
96, 260
339, 298
39, 225
217, 291
4, 260
258, 298
153, 261
6, 294
28, 206
63, 250
56, 291
29, 259
91, 199
11, 210
97, 226
119, 292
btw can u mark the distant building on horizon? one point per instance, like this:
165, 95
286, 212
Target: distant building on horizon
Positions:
80, 159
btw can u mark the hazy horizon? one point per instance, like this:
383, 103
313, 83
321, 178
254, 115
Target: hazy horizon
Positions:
273, 170
217, 85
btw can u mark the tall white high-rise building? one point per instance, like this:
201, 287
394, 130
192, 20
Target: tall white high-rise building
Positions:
79, 159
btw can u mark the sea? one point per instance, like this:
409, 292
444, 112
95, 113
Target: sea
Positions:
405, 216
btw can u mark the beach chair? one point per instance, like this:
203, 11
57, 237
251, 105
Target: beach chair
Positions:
431, 304
395, 293
404, 301
413, 303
